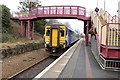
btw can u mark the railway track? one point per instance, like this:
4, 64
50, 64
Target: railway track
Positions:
32, 71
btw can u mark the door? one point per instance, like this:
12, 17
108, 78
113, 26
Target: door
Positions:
54, 37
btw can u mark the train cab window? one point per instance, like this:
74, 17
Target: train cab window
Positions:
48, 33
62, 33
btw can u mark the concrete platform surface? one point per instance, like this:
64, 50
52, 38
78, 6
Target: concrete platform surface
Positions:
83, 65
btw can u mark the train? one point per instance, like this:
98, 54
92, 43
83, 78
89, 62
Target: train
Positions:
58, 36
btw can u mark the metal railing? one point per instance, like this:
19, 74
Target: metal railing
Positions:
110, 64
52, 10
20, 14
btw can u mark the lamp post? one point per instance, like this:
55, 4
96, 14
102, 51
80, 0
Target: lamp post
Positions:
119, 9
104, 5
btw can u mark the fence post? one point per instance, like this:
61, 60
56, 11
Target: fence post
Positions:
63, 10
32, 31
107, 55
77, 11
28, 30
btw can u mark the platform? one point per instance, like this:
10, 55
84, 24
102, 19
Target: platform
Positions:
78, 62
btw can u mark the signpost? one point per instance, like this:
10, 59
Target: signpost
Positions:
119, 9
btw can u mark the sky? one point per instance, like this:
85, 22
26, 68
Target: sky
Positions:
110, 5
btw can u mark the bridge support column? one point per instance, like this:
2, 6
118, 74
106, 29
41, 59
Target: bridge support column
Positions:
25, 33
87, 33
32, 31
28, 30
21, 28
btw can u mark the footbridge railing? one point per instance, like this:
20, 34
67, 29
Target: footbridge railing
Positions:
52, 11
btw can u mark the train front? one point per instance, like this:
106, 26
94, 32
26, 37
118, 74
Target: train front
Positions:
55, 35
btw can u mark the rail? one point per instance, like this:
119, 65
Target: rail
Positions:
110, 64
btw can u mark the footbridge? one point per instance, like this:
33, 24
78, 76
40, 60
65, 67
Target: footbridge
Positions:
77, 12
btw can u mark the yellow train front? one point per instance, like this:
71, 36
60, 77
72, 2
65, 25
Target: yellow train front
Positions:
58, 36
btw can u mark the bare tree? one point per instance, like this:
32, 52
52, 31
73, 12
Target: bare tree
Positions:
78, 32
67, 25
26, 5
51, 21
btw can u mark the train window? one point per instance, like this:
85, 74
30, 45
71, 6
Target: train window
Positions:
48, 33
48, 28
62, 33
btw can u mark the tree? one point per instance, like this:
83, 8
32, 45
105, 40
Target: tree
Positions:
51, 21
28, 4
77, 31
40, 26
67, 25
5, 16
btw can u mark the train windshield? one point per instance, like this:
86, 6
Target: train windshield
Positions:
48, 33
62, 33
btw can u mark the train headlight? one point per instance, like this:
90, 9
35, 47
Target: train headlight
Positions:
47, 42
62, 43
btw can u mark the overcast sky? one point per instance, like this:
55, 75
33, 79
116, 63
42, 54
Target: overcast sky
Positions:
111, 7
